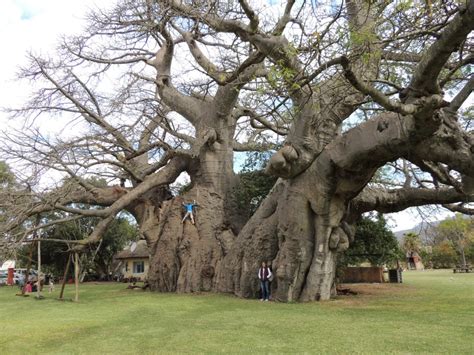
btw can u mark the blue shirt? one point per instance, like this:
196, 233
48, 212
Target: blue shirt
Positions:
189, 207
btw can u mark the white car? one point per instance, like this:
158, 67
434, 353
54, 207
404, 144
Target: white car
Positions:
3, 277
20, 275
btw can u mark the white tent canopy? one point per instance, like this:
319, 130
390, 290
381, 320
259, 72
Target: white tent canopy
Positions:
8, 264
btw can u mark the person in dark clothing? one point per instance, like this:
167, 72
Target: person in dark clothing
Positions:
270, 279
264, 274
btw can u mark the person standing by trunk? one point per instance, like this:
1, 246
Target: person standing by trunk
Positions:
264, 274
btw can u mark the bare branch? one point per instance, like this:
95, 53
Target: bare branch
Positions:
425, 78
463, 95
250, 14
389, 201
459, 207
283, 21
376, 95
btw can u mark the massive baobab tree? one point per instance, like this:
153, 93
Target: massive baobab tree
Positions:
361, 101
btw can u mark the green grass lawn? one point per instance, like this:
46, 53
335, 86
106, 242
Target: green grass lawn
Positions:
431, 312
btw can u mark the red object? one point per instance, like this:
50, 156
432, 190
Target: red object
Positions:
10, 281
28, 287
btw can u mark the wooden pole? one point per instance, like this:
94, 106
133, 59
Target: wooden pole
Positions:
30, 256
28, 267
76, 275
65, 277
38, 287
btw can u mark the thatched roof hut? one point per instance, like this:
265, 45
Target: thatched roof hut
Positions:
141, 251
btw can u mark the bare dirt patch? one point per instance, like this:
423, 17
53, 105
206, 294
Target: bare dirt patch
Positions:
375, 289
362, 293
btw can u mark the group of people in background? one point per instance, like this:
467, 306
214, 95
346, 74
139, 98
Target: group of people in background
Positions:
32, 286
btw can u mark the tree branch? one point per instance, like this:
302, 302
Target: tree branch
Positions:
376, 95
187, 106
283, 21
460, 207
389, 201
253, 147
425, 78
204, 62
250, 14
88, 114
462, 95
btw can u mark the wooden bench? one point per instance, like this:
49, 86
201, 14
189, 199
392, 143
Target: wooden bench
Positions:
460, 268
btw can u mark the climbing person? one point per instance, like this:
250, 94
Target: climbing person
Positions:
189, 211
264, 274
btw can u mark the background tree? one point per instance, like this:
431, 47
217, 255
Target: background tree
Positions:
443, 255
120, 233
373, 243
97, 258
411, 243
7, 179
459, 232
8, 186
349, 88
254, 184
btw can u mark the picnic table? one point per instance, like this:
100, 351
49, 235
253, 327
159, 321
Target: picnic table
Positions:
462, 268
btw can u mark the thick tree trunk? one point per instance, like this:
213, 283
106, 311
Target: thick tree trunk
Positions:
298, 231
185, 256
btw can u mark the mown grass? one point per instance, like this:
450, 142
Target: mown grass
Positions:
431, 312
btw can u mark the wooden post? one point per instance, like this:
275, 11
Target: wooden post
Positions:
28, 267
38, 288
76, 275
30, 257
65, 277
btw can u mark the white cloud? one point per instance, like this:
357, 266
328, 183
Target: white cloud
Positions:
411, 217
32, 25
